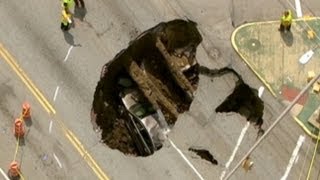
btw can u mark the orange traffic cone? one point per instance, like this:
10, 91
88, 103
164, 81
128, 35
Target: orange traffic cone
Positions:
14, 170
18, 128
26, 114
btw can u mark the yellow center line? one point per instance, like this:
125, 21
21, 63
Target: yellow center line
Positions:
25, 78
50, 110
22, 78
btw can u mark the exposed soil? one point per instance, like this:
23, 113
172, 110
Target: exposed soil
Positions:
245, 101
162, 66
161, 62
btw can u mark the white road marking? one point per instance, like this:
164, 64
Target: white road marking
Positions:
69, 50
58, 161
260, 91
185, 158
297, 159
56, 93
50, 127
298, 8
293, 157
4, 174
243, 132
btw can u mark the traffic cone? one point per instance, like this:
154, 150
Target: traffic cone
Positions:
18, 128
14, 170
26, 114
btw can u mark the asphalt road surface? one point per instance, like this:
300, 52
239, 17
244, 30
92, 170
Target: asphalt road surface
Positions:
66, 68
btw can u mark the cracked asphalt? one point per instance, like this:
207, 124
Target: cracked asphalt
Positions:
31, 33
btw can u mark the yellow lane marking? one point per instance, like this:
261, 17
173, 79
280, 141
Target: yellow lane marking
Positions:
313, 157
83, 152
246, 61
25, 78
233, 41
50, 110
258, 75
267, 84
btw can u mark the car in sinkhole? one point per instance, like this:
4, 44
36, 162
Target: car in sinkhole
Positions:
143, 122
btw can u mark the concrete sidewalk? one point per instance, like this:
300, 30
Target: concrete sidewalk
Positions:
274, 58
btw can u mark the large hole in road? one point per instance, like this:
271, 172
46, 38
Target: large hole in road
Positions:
245, 101
144, 88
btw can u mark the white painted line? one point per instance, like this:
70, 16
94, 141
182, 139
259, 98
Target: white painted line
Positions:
69, 50
243, 132
298, 8
293, 157
260, 91
4, 175
297, 159
50, 127
56, 93
185, 158
58, 161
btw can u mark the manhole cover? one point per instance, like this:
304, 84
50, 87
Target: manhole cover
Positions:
253, 44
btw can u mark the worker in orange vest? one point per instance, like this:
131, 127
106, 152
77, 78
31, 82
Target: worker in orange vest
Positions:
286, 21
65, 19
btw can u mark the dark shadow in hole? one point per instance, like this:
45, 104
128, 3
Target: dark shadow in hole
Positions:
260, 133
245, 101
80, 13
218, 72
28, 121
287, 37
204, 154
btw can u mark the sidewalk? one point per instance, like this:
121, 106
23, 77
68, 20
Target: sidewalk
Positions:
274, 58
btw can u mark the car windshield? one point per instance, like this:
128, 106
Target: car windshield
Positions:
141, 110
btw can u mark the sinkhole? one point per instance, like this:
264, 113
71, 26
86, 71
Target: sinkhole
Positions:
144, 88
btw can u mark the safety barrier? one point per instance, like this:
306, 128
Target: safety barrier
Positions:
18, 128
14, 170
19, 132
26, 111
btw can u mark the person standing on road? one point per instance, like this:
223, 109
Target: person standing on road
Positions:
68, 4
65, 20
286, 21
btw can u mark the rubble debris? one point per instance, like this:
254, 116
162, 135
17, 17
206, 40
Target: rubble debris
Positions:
161, 63
204, 154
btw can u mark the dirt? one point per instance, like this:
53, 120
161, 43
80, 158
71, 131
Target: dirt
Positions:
204, 154
245, 101
155, 62
162, 63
